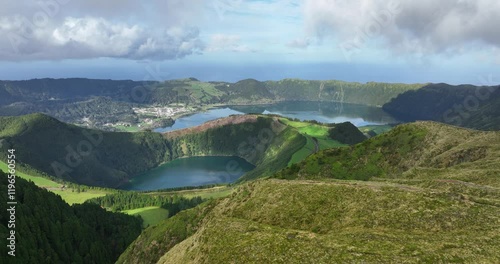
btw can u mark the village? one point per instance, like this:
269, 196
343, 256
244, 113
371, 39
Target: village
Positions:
152, 117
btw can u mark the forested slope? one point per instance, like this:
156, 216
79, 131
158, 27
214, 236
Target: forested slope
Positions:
109, 159
39, 93
48, 230
464, 105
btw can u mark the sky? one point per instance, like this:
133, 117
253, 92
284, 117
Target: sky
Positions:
452, 41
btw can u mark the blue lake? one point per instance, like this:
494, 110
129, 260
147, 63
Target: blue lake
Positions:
194, 171
198, 171
325, 112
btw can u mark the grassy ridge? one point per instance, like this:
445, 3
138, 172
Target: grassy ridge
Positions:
110, 159
408, 150
377, 157
317, 136
156, 240
304, 152
434, 197
334, 222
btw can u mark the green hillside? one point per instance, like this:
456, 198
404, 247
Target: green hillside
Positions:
429, 193
371, 93
110, 159
317, 222
423, 146
114, 105
80, 155
464, 105
48, 230
193, 91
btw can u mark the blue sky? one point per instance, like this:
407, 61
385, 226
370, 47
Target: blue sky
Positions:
453, 41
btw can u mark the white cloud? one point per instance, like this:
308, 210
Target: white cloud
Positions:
299, 43
407, 26
92, 37
222, 42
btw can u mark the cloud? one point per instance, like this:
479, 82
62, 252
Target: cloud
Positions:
223, 42
92, 37
300, 43
426, 26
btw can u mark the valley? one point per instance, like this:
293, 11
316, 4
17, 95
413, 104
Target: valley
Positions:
250, 131
426, 204
309, 177
134, 106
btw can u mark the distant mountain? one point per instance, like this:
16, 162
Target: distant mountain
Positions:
81, 155
465, 105
99, 103
73, 100
48, 230
195, 92
429, 192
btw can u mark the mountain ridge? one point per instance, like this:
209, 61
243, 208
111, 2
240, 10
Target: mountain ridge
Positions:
109, 159
429, 210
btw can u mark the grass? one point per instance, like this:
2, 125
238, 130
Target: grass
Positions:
306, 128
342, 222
328, 144
73, 197
39, 181
438, 202
304, 152
377, 129
295, 124
310, 130
314, 131
211, 193
151, 215
68, 195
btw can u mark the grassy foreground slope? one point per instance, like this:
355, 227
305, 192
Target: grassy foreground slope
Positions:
433, 196
337, 222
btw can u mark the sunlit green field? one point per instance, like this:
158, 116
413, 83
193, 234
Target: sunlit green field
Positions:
39, 181
73, 197
69, 195
311, 131
328, 144
151, 215
211, 193
314, 131
304, 152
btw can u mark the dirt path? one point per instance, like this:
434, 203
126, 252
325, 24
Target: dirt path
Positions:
316, 145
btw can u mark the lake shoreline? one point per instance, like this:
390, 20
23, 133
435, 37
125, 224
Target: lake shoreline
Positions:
207, 108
